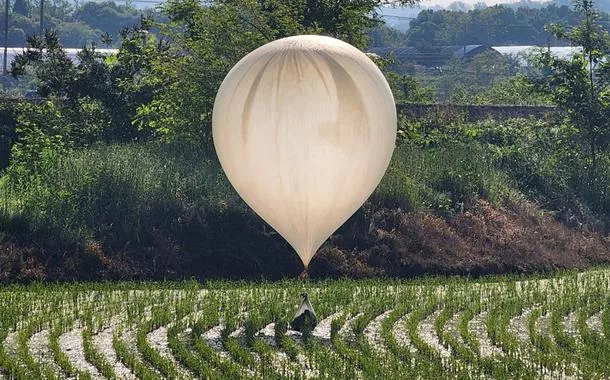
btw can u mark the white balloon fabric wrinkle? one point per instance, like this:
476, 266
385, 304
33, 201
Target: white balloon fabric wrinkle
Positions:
304, 127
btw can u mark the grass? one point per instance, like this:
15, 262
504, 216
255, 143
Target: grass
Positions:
122, 192
159, 210
445, 179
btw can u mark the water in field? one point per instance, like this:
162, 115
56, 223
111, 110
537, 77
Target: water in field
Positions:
501, 328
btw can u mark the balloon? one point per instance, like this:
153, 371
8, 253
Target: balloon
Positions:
304, 127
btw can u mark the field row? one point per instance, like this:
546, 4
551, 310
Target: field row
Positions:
556, 328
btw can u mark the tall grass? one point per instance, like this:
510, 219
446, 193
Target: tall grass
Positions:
445, 178
121, 190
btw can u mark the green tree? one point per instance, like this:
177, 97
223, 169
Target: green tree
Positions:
581, 85
385, 36
110, 87
462, 78
407, 88
106, 17
22, 7
207, 40
497, 25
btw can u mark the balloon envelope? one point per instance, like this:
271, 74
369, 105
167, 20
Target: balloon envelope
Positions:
304, 127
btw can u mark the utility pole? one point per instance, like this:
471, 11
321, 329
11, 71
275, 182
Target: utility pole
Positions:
41, 17
4, 69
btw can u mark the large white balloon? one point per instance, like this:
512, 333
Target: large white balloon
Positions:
304, 128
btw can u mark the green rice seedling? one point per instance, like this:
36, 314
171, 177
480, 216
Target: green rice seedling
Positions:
550, 326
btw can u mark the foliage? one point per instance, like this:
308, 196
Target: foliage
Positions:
96, 97
85, 179
408, 88
7, 132
496, 25
215, 36
99, 193
517, 90
531, 155
21, 7
460, 80
41, 130
446, 179
535, 154
106, 17
157, 209
385, 36
77, 24
580, 86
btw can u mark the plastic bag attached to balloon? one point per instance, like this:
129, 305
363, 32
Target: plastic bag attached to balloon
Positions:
305, 316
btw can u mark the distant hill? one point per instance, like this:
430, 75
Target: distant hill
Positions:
400, 17
461, 24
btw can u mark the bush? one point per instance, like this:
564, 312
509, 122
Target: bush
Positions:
546, 168
487, 158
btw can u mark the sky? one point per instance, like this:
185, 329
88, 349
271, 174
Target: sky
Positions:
444, 3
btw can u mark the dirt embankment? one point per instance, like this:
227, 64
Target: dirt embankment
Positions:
518, 238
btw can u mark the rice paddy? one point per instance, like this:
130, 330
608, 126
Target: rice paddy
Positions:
432, 328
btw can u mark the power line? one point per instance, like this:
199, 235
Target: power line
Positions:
41, 17
4, 68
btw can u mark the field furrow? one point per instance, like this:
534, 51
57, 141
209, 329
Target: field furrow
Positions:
373, 332
322, 330
71, 344
102, 341
478, 327
401, 333
38, 345
426, 331
159, 342
595, 323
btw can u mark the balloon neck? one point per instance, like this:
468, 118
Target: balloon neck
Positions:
305, 274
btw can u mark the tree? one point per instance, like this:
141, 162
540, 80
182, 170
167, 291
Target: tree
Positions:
385, 36
22, 7
76, 34
207, 40
461, 79
407, 88
110, 87
106, 17
497, 25
581, 85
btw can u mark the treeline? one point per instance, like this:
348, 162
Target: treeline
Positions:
497, 25
76, 24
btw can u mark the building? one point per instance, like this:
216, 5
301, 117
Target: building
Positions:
522, 53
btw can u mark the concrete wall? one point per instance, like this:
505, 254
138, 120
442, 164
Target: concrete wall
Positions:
473, 112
